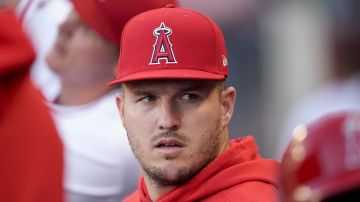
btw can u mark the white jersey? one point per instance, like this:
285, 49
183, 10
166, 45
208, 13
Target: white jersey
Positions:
99, 164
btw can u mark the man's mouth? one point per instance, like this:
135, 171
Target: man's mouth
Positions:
165, 143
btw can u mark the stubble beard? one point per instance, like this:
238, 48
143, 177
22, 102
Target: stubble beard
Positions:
159, 176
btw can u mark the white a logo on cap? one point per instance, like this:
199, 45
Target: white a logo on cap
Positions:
162, 47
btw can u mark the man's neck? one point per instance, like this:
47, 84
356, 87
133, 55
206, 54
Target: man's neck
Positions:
81, 94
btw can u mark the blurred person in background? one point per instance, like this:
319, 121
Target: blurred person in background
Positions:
40, 19
31, 152
342, 91
99, 165
322, 162
176, 107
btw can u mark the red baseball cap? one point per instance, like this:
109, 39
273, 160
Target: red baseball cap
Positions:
108, 17
171, 43
323, 158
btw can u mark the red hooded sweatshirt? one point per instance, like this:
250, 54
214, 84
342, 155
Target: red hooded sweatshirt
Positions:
238, 174
30, 149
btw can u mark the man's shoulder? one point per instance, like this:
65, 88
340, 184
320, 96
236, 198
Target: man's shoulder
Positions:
254, 181
252, 191
134, 197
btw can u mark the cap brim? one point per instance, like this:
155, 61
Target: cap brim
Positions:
168, 74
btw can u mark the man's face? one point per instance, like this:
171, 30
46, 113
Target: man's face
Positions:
79, 53
175, 127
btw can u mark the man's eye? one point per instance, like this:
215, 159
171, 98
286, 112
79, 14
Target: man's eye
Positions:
189, 97
148, 98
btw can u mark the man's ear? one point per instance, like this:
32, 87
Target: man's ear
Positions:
120, 105
227, 104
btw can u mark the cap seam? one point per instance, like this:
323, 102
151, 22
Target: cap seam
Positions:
212, 37
211, 23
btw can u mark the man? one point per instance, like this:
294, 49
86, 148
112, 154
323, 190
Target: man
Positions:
99, 165
322, 163
31, 153
176, 109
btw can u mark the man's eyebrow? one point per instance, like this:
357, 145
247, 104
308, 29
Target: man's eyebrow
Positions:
191, 88
141, 92
194, 87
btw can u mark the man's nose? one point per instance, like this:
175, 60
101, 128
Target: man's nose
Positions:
65, 30
169, 117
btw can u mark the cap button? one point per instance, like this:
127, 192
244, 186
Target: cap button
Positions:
170, 6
